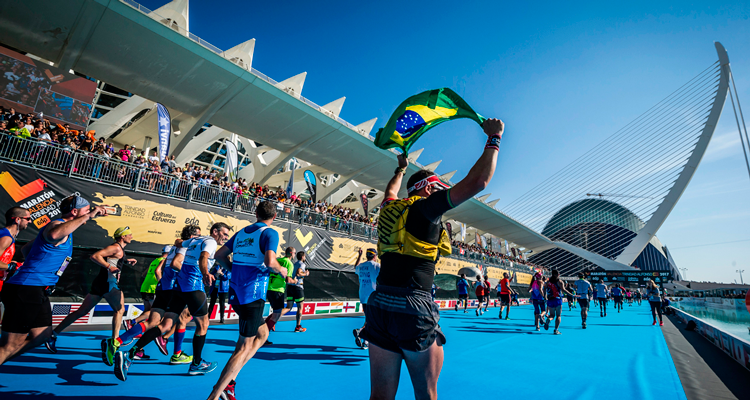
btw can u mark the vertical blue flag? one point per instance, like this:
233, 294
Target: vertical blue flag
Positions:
165, 130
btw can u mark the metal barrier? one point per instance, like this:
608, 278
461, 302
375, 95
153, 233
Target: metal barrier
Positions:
213, 195
92, 167
164, 184
39, 153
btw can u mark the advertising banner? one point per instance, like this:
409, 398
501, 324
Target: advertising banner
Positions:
312, 185
165, 130
32, 86
639, 277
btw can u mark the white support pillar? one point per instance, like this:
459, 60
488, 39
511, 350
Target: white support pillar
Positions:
199, 144
110, 122
326, 191
267, 169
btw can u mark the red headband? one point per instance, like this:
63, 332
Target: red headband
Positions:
430, 180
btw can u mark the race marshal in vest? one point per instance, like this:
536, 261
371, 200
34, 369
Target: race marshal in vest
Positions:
401, 318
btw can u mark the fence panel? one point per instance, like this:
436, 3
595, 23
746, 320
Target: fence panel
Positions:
41, 154
94, 168
214, 196
165, 184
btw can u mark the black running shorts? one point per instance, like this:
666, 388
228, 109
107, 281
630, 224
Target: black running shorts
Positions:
463, 296
401, 319
504, 298
162, 299
295, 293
251, 317
277, 300
584, 303
195, 302
147, 296
26, 308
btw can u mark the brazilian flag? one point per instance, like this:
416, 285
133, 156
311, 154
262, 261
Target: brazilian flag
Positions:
420, 113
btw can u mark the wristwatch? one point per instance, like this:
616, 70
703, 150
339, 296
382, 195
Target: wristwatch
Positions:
399, 169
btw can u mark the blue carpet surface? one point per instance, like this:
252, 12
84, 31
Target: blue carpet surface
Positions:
620, 355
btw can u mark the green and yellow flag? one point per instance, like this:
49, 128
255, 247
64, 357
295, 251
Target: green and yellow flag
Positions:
420, 113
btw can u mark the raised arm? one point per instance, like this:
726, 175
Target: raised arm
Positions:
58, 231
391, 191
481, 173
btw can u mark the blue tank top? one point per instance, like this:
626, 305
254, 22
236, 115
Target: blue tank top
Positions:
616, 292
45, 263
168, 275
249, 272
463, 286
190, 278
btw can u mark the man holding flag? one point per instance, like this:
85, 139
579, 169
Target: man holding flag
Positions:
401, 318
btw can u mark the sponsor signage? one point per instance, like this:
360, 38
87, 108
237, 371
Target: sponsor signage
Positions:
635, 277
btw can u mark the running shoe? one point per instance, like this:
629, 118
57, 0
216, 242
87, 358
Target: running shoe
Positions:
50, 343
109, 348
161, 343
556, 332
357, 340
268, 343
299, 328
661, 323
465, 311
456, 307
546, 324
601, 314
365, 344
605, 314
507, 319
181, 358
477, 312
140, 355
129, 323
122, 364
202, 368
537, 329
584, 325
654, 323
228, 393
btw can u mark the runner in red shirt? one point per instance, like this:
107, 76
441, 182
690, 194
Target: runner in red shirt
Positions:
479, 290
504, 291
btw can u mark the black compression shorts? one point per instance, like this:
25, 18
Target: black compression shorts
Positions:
251, 317
162, 299
295, 293
277, 300
195, 301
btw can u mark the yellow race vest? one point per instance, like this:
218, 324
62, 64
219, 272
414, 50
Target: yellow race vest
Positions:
393, 237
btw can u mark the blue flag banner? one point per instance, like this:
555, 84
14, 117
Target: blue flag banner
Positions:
165, 130
312, 184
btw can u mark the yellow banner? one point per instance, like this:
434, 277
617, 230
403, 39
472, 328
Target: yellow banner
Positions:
161, 223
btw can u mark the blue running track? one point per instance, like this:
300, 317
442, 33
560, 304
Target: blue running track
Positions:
619, 356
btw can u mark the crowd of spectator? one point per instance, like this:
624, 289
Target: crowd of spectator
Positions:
474, 251
104, 162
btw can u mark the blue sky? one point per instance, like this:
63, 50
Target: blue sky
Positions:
563, 77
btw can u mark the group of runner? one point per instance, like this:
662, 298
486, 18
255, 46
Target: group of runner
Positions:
174, 289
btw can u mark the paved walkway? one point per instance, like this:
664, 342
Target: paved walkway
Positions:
621, 356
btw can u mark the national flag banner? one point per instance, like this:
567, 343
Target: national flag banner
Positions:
420, 113
337, 307
308, 308
350, 307
134, 311
60, 311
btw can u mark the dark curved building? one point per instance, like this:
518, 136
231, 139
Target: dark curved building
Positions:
603, 227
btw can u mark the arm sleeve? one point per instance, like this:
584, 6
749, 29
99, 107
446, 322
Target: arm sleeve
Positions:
435, 206
269, 240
